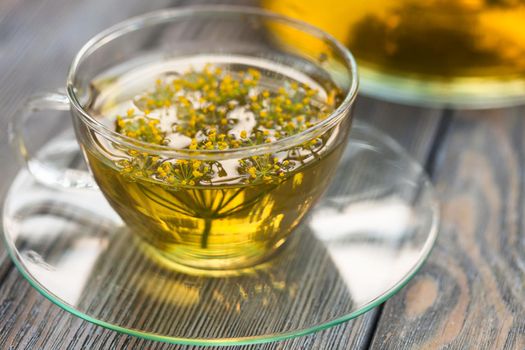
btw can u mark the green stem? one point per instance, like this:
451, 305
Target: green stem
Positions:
223, 204
247, 203
167, 204
206, 233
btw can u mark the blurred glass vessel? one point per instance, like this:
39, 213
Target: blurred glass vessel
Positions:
460, 53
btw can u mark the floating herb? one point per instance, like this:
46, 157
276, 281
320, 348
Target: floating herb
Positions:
206, 107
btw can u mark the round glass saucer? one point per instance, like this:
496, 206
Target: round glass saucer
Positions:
363, 241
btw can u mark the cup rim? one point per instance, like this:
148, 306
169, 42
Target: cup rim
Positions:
166, 15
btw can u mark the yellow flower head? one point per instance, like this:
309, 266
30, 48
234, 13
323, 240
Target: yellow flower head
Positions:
252, 171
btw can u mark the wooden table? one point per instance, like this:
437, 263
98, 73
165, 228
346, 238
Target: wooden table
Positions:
469, 295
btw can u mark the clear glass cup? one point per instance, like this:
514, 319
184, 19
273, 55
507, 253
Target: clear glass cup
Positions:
186, 224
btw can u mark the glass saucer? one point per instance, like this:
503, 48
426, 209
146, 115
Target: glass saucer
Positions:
368, 236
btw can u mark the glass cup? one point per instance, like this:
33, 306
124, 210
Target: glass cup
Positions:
216, 227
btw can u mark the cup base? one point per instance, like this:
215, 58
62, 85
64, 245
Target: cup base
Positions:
183, 260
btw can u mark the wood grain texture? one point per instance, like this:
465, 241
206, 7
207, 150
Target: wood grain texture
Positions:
37, 43
470, 294
413, 127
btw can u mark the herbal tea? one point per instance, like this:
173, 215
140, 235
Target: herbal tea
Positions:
220, 212
442, 40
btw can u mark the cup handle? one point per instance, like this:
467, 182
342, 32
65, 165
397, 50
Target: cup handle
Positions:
39, 164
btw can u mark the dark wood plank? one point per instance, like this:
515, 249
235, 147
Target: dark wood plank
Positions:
413, 127
40, 39
469, 295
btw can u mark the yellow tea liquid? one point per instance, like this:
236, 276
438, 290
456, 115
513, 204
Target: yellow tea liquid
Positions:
214, 214
458, 44
446, 38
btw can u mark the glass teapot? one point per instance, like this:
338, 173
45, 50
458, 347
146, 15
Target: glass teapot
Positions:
458, 53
